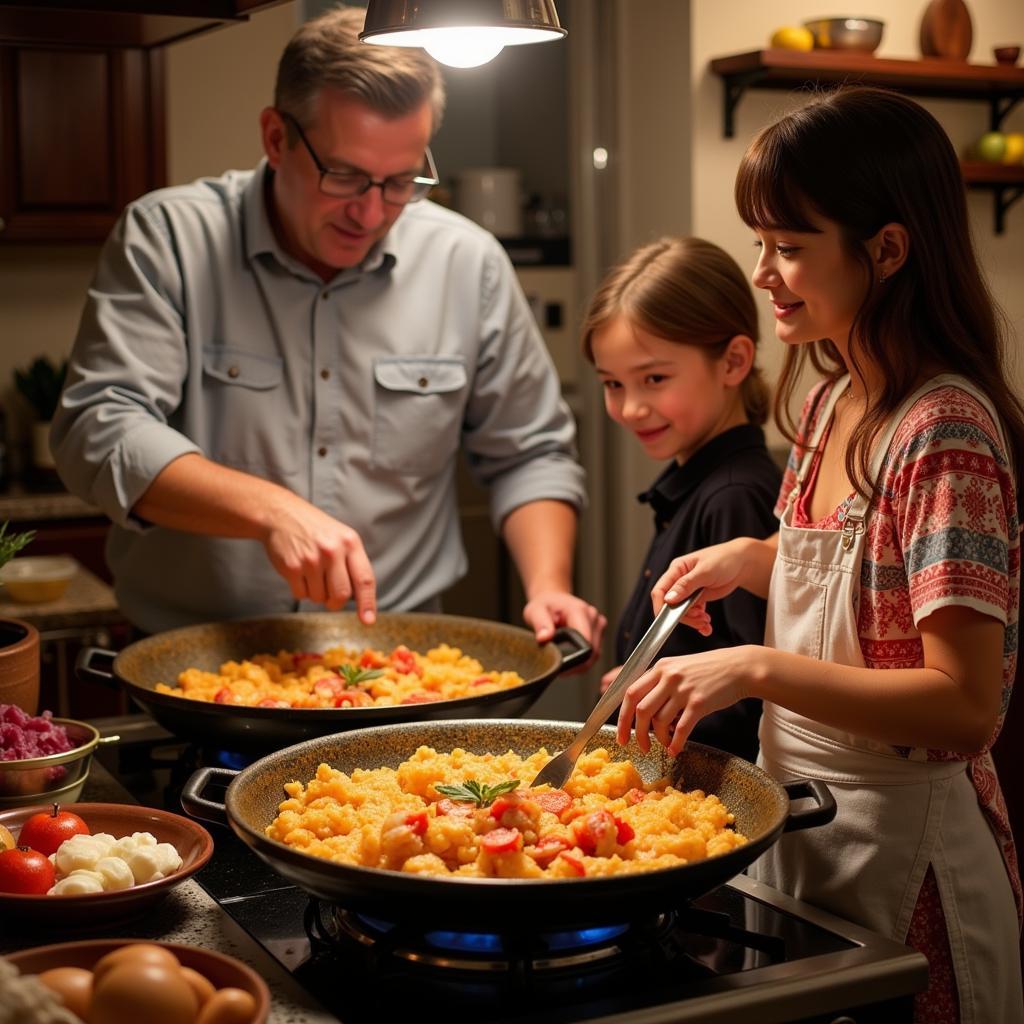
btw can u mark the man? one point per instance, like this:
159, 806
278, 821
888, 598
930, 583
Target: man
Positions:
276, 369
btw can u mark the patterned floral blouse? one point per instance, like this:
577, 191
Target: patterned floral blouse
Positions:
945, 531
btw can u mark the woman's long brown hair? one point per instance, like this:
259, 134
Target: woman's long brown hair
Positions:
863, 158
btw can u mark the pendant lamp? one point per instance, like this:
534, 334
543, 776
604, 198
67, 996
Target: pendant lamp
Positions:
461, 33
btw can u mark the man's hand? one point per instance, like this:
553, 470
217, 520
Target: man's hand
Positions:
553, 609
322, 559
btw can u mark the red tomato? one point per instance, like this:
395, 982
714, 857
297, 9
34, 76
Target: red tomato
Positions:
454, 808
417, 821
548, 849
481, 681
404, 661
595, 833
353, 698
623, 831
370, 659
25, 872
301, 660
222, 696
269, 702
503, 804
46, 830
575, 862
555, 800
503, 840
421, 697
329, 686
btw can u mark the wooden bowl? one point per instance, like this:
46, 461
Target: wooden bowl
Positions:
1006, 55
220, 970
193, 843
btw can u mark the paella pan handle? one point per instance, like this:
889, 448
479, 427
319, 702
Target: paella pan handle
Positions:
85, 669
809, 817
202, 807
575, 649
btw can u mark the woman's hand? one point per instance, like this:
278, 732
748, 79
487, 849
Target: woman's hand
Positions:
719, 569
674, 695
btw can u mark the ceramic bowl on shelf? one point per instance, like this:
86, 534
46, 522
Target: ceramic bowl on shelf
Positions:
220, 970
35, 579
52, 777
1007, 55
861, 35
193, 843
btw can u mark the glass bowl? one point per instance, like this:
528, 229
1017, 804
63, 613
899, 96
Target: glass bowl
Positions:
40, 578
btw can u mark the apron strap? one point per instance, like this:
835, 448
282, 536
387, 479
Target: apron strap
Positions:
838, 390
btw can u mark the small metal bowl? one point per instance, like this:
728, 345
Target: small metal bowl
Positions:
861, 35
58, 778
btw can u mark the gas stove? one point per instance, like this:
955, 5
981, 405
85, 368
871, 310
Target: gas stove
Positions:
744, 952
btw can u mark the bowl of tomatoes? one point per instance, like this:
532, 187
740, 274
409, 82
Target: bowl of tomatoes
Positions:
91, 864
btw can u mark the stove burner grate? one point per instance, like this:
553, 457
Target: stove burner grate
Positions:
664, 938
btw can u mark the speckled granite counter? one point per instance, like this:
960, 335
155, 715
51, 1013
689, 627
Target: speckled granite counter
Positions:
188, 915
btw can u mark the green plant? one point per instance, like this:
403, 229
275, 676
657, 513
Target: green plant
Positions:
41, 384
12, 543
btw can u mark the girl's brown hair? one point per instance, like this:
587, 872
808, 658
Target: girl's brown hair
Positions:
863, 158
686, 290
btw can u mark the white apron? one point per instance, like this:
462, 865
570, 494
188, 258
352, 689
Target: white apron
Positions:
895, 816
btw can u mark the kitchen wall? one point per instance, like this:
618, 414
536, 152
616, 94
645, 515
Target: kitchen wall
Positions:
714, 158
673, 168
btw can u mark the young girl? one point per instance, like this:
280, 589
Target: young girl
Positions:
893, 582
672, 332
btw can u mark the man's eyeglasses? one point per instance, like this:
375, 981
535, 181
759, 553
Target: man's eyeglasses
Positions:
348, 184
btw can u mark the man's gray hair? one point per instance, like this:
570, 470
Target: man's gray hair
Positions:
326, 51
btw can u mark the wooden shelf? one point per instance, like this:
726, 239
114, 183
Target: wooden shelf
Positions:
998, 85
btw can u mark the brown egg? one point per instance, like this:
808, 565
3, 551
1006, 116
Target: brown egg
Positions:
73, 985
130, 993
228, 1006
136, 953
201, 985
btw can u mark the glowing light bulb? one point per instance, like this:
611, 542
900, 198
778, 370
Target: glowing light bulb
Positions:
463, 47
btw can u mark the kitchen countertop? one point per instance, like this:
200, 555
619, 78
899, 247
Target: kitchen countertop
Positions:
88, 601
190, 916
19, 501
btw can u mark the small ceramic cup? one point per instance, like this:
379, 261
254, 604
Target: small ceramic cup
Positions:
1006, 54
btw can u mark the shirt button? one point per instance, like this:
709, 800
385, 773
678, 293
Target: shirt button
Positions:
626, 636
233, 372
325, 374
423, 382
324, 295
321, 452
647, 574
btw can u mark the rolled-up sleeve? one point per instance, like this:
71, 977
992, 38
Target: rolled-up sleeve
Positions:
112, 433
519, 433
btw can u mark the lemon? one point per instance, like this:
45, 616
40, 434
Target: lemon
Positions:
1014, 153
6, 839
790, 37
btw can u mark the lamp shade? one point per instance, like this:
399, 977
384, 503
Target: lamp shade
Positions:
461, 32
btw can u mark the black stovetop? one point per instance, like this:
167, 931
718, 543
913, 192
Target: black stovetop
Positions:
741, 953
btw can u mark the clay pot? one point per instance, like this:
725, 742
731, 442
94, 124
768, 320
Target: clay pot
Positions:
946, 30
19, 664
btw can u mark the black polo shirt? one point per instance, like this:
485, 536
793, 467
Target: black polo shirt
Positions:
727, 489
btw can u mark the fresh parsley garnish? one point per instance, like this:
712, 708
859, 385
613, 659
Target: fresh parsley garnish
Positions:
473, 792
354, 675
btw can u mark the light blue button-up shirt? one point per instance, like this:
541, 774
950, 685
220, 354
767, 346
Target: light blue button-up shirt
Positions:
201, 335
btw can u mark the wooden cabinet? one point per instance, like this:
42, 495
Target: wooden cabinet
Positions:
1001, 87
82, 134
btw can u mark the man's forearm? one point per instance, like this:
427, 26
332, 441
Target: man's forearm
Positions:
196, 495
541, 536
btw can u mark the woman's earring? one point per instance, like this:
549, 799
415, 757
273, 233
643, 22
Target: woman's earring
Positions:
881, 277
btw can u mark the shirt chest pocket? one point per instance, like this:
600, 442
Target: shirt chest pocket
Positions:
248, 426
418, 410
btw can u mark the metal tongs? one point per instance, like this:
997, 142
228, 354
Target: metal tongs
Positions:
557, 771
